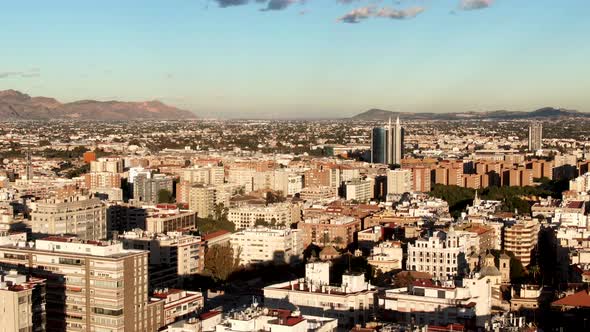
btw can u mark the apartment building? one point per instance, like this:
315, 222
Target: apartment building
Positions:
146, 189
425, 302
205, 175
163, 218
22, 302
91, 285
82, 216
352, 302
336, 230
110, 165
281, 214
521, 237
102, 180
173, 256
399, 181
358, 190
387, 256
262, 244
443, 255
179, 304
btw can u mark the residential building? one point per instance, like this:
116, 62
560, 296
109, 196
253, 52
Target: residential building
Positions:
22, 302
358, 190
520, 237
280, 214
146, 189
82, 216
262, 244
535, 136
352, 302
91, 285
399, 181
338, 230
179, 304
173, 256
444, 254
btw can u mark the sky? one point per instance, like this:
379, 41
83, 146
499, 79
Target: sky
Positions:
302, 58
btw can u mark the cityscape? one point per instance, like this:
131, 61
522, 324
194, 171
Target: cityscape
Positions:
243, 177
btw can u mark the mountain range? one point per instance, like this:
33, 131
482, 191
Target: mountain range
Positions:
542, 113
15, 105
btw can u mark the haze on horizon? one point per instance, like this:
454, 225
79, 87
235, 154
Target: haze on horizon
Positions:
302, 58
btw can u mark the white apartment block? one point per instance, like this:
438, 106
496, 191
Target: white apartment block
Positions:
443, 255
387, 256
262, 244
358, 190
399, 181
82, 216
245, 216
427, 303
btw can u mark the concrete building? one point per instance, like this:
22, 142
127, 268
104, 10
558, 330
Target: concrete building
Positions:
205, 175
262, 244
179, 304
173, 256
146, 189
443, 255
425, 302
102, 180
82, 216
399, 181
110, 165
535, 136
202, 199
352, 302
91, 285
280, 214
338, 231
255, 318
387, 144
163, 218
358, 190
22, 302
387, 256
521, 237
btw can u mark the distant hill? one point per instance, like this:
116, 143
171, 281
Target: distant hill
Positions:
15, 105
543, 113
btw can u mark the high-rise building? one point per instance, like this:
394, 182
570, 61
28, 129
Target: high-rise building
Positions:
91, 285
22, 302
535, 136
379, 145
521, 239
387, 144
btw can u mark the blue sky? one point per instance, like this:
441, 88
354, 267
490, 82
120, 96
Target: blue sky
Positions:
303, 60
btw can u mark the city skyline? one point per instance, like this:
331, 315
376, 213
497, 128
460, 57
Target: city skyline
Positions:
283, 58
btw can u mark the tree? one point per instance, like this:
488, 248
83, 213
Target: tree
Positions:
165, 196
403, 279
261, 222
338, 240
272, 197
221, 262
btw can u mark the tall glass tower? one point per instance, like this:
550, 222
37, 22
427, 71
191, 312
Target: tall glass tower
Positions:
387, 144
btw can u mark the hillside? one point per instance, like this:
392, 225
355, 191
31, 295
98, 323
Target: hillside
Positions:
15, 105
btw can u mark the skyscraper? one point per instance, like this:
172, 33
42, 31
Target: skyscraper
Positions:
535, 136
387, 144
379, 145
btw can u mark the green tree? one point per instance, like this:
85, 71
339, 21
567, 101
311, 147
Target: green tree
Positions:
165, 196
221, 262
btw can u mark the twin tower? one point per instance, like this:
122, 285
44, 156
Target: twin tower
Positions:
387, 144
